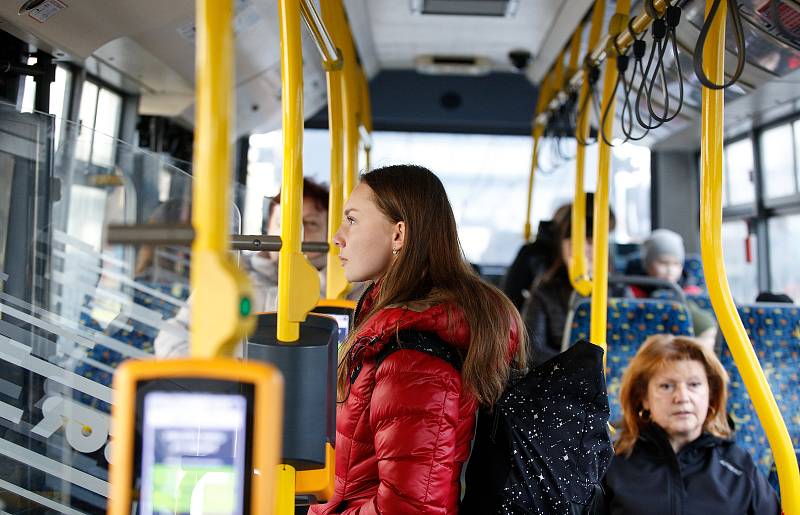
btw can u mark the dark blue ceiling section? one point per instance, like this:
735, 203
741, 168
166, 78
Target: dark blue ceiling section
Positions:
404, 100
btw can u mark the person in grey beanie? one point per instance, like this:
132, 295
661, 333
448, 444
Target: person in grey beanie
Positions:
663, 256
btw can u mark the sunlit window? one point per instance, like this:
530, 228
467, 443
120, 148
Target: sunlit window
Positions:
740, 260
99, 117
29, 90
784, 249
486, 178
778, 161
59, 93
739, 175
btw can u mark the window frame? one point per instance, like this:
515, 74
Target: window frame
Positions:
764, 209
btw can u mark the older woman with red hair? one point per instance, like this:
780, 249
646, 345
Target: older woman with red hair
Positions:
674, 454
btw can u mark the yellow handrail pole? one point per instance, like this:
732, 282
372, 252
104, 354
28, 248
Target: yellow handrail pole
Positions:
336, 284
221, 303
366, 119
546, 94
716, 277
350, 104
298, 281
599, 312
578, 268
574, 54
537, 132
558, 71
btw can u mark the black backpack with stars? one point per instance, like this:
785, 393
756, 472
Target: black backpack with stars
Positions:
544, 447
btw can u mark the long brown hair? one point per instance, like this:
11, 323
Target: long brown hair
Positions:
657, 351
432, 269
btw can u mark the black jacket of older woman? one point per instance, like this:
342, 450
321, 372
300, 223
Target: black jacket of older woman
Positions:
709, 476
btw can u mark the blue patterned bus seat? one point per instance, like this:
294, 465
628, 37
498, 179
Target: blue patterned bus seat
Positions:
139, 334
630, 322
774, 332
693, 271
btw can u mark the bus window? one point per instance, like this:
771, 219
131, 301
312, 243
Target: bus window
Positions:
777, 164
739, 173
784, 249
742, 273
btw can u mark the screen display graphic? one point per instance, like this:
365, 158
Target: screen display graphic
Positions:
193, 453
343, 321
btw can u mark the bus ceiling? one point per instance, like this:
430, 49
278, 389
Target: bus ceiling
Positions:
428, 71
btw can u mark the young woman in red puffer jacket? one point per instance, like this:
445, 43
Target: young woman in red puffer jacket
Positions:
403, 429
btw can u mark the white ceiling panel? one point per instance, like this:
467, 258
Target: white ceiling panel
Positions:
400, 35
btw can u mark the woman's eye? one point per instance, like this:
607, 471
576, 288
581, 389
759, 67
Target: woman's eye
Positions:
664, 386
350, 220
694, 385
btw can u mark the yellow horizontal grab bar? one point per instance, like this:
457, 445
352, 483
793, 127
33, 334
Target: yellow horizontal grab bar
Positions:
331, 57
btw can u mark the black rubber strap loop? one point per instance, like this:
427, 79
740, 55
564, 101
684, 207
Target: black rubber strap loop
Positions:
736, 20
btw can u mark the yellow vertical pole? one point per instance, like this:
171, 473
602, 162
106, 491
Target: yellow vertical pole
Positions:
221, 303
601, 222
716, 276
336, 284
366, 116
537, 132
574, 51
350, 101
286, 477
298, 282
578, 268
558, 72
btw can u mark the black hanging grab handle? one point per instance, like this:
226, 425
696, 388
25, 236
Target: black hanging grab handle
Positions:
669, 22
736, 20
591, 98
639, 48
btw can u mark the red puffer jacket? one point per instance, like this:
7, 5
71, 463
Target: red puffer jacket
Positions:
403, 433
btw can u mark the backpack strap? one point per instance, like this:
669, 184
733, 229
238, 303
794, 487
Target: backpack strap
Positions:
425, 342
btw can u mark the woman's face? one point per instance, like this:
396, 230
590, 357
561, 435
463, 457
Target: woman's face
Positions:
366, 237
666, 267
677, 399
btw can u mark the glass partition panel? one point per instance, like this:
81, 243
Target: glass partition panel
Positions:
72, 307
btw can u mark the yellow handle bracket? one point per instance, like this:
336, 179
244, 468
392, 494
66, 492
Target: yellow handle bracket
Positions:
221, 303
298, 281
717, 280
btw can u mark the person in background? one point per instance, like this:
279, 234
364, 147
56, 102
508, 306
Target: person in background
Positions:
262, 267
545, 312
533, 260
674, 454
663, 257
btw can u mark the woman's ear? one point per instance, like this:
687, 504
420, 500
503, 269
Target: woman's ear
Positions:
398, 236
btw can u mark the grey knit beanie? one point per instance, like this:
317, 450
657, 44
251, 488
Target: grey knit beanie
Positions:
663, 242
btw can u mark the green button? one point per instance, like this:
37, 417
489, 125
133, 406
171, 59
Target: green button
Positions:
245, 306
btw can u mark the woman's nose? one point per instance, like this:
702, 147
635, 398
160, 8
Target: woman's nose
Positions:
681, 393
337, 238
